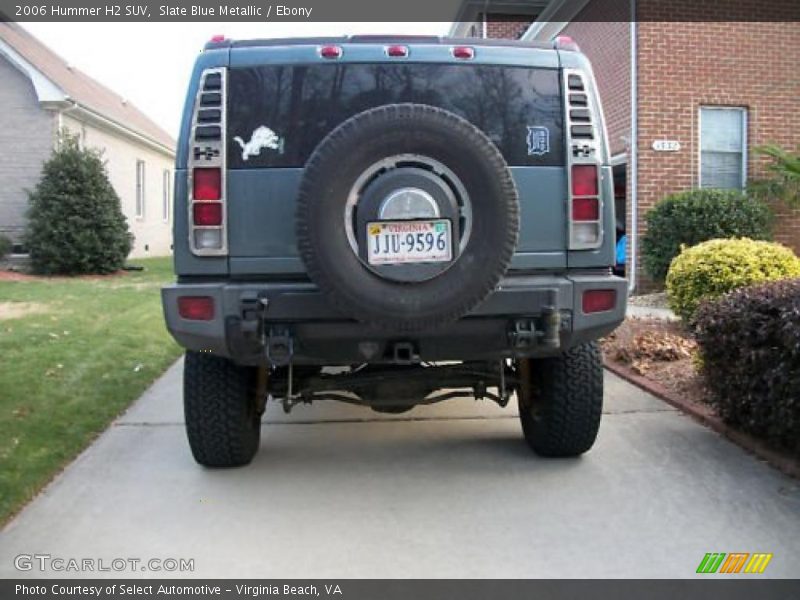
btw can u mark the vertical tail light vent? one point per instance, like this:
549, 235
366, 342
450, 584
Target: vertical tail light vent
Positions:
207, 215
583, 161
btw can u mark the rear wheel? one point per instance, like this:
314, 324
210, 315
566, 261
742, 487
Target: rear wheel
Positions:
561, 400
223, 403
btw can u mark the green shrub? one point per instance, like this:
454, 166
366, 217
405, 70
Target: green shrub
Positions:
784, 183
749, 344
75, 223
688, 218
5, 246
713, 268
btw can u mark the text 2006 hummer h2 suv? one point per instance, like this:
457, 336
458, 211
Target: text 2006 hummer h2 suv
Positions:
433, 217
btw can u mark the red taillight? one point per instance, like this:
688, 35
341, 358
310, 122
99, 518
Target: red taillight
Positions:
598, 300
463, 52
330, 52
585, 230
207, 213
585, 209
584, 180
564, 42
207, 184
196, 308
397, 51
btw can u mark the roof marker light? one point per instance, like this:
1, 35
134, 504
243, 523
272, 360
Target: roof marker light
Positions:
564, 42
218, 38
397, 51
330, 52
463, 52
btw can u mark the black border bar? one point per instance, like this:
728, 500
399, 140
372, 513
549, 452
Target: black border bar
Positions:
384, 10
433, 589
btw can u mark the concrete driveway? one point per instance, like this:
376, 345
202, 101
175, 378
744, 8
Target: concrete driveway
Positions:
442, 491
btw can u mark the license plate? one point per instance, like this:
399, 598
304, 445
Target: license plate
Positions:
401, 242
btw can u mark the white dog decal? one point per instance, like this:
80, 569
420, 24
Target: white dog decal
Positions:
261, 138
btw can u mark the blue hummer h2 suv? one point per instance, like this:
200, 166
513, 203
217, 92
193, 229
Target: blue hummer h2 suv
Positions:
432, 217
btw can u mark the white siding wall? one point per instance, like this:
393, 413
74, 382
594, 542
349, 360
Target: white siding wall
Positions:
153, 235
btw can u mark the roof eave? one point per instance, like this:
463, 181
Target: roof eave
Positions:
459, 29
86, 113
46, 90
52, 97
473, 12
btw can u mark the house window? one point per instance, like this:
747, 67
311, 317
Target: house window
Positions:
723, 147
140, 197
167, 188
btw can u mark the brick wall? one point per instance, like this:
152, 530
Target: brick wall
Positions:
503, 26
602, 31
686, 65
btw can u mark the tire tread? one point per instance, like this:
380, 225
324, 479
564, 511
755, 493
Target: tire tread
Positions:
569, 394
218, 398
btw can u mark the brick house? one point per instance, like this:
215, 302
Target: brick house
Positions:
40, 95
717, 78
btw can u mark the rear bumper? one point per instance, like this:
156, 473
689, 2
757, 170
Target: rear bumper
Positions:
512, 321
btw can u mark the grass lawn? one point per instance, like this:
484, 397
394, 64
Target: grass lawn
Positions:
74, 353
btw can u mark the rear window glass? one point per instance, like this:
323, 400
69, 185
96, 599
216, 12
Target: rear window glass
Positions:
519, 108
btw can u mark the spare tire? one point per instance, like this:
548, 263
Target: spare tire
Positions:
447, 168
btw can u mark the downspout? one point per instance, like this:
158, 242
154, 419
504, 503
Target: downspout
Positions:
60, 120
484, 24
633, 170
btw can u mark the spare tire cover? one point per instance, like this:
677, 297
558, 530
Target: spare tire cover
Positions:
436, 136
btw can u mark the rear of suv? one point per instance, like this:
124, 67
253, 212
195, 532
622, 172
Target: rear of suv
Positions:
389, 222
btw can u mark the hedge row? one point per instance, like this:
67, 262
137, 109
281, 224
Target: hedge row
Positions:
750, 351
695, 216
715, 267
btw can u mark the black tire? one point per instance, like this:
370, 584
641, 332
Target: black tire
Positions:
561, 401
222, 408
336, 165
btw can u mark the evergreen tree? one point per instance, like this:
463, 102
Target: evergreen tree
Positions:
75, 221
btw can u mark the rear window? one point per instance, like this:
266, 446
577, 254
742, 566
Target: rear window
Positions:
519, 108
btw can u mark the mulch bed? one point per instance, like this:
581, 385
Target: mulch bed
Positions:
659, 357
662, 351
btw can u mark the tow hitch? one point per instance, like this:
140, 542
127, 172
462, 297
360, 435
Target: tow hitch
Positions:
279, 347
526, 334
